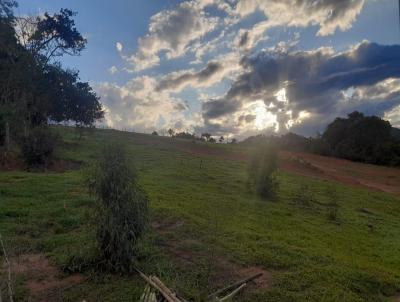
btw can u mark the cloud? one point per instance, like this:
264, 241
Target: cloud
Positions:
113, 69
172, 31
119, 46
311, 84
328, 15
137, 106
213, 73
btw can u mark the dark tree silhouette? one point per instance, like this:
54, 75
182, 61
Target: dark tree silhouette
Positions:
50, 36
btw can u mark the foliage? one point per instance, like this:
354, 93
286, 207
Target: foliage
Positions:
261, 170
154, 133
361, 138
171, 132
121, 209
37, 147
185, 135
49, 36
34, 92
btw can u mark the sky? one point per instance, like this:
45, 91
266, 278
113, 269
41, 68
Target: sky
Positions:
236, 67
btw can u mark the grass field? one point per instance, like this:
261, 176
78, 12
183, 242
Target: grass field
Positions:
206, 230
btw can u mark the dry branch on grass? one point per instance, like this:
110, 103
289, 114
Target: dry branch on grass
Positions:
155, 286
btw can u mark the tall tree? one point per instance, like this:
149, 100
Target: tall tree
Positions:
50, 36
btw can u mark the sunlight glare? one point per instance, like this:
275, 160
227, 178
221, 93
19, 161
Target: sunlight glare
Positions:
264, 119
281, 96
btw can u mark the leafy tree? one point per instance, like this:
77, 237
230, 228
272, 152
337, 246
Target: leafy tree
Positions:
212, 140
154, 133
50, 36
171, 132
121, 208
185, 135
221, 139
361, 138
206, 136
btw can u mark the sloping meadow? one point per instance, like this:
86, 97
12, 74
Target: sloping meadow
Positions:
316, 241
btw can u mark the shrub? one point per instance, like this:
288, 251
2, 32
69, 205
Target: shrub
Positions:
38, 146
262, 168
121, 209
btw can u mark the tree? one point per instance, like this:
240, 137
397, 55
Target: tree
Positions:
154, 133
171, 132
221, 139
361, 138
233, 141
212, 140
206, 136
121, 209
50, 36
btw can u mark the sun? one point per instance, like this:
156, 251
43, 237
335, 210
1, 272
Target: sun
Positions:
263, 118
281, 95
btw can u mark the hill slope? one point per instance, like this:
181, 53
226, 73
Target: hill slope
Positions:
206, 231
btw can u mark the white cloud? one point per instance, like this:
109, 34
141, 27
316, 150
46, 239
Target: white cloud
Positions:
172, 31
139, 107
113, 70
328, 15
119, 46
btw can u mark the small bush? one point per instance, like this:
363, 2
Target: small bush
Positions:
121, 209
37, 148
262, 168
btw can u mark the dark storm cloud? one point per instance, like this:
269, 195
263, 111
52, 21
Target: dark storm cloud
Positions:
248, 118
217, 108
199, 78
314, 80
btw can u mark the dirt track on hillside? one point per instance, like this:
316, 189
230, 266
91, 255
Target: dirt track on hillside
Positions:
377, 178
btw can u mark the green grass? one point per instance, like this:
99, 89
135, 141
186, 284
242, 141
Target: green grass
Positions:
311, 258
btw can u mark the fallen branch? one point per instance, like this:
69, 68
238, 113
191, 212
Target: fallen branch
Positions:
235, 285
9, 283
160, 287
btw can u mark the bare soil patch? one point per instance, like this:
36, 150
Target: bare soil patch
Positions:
377, 178
44, 281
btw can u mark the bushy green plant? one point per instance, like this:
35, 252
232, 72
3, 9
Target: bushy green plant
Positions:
121, 209
262, 167
38, 146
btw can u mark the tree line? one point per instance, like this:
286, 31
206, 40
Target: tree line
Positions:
204, 137
35, 89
